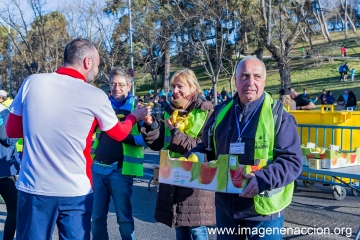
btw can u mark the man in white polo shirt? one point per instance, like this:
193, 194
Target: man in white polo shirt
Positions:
57, 114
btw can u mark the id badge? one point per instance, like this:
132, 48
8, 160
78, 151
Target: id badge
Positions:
237, 148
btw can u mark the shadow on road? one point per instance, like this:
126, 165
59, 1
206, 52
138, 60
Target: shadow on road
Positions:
143, 203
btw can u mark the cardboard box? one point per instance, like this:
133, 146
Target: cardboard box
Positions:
311, 153
330, 159
223, 175
315, 163
338, 159
236, 183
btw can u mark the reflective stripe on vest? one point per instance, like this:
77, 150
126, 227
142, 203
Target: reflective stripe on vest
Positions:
196, 119
267, 202
19, 145
133, 155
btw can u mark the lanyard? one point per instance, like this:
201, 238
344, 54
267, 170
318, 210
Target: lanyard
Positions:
248, 121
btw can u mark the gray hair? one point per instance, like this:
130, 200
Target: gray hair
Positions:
120, 72
3, 93
76, 50
246, 58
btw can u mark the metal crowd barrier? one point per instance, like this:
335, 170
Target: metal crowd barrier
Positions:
324, 135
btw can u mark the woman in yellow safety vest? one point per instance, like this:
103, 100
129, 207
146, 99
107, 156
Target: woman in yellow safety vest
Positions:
188, 210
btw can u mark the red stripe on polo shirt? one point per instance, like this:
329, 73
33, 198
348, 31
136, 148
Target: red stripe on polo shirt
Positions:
87, 151
120, 131
71, 72
14, 127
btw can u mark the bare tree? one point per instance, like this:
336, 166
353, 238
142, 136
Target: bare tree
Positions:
344, 7
87, 19
318, 11
209, 27
37, 44
281, 32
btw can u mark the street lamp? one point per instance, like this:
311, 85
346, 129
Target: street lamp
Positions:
9, 49
131, 51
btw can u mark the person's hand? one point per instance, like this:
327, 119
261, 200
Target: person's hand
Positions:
148, 119
169, 124
141, 112
252, 189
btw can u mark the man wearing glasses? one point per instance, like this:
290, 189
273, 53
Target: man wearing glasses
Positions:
116, 163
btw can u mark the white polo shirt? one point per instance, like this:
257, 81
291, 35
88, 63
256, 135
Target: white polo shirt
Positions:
59, 114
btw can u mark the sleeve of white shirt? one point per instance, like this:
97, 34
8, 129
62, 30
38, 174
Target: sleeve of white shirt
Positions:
106, 116
16, 106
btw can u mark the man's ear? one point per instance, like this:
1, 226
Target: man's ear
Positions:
87, 63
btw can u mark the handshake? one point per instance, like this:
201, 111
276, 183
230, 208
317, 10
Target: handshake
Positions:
142, 110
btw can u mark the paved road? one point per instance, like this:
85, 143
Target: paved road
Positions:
311, 208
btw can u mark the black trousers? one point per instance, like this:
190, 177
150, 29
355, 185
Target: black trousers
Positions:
9, 192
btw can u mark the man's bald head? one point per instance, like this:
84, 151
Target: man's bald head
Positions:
250, 79
81, 55
247, 58
77, 50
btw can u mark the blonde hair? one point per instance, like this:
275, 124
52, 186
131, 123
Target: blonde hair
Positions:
188, 76
286, 100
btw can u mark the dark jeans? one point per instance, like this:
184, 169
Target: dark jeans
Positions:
119, 187
253, 230
191, 233
8, 192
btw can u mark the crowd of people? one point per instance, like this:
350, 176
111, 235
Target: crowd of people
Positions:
66, 177
296, 101
163, 98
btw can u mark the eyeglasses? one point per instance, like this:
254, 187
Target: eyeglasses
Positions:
114, 85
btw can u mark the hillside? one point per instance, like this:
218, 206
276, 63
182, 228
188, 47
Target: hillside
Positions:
310, 73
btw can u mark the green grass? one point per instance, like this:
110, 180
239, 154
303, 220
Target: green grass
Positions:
305, 73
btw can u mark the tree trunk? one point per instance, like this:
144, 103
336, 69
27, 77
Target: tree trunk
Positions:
260, 50
155, 80
246, 43
303, 32
345, 21
347, 17
322, 19
310, 40
214, 87
316, 14
284, 70
244, 38
166, 60
231, 84
183, 47
352, 25
178, 45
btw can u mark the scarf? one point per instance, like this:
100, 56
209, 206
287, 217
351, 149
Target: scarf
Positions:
117, 104
183, 103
